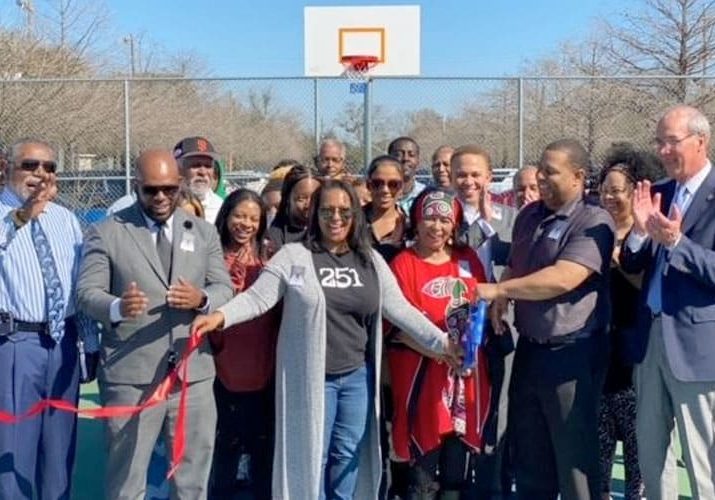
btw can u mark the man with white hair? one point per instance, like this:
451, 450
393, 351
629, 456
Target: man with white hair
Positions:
40, 250
330, 161
197, 158
673, 244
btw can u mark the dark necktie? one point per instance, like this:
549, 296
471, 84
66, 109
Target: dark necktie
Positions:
54, 297
163, 248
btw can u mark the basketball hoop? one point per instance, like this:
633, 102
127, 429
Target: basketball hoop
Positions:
357, 68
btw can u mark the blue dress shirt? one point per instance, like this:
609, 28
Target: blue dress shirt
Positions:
22, 289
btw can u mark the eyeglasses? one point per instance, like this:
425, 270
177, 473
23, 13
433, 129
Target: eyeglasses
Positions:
32, 165
326, 213
671, 142
169, 191
376, 184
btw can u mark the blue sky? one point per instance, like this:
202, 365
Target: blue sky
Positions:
265, 38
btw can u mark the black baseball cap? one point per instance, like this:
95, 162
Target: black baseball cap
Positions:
195, 146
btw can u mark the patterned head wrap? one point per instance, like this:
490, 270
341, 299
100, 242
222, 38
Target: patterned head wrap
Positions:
438, 203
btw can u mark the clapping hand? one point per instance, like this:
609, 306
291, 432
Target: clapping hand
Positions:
485, 205
643, 207
133, 302
184, 295
665, 230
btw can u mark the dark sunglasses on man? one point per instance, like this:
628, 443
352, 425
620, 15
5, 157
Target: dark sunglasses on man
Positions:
31, 165
169, 191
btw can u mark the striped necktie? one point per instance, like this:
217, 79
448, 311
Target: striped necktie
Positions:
54, 296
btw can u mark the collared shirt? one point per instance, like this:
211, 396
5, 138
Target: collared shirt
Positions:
579, 232
22, 288
482, 247
407, 198
212, 204
155, 226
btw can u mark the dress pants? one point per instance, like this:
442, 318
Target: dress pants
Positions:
130, 440
553, 417
38, 454
663, 401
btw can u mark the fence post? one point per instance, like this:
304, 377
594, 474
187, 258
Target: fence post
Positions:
316, 113
367, 124
520, 114
127, 140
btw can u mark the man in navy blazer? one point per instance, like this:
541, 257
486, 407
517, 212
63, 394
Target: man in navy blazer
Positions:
673, 243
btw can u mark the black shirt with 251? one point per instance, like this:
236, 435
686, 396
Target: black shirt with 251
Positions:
351, 294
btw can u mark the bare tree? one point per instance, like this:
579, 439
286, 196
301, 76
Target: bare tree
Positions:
666, 37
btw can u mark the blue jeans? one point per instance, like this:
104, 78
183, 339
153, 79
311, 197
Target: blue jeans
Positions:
348, 404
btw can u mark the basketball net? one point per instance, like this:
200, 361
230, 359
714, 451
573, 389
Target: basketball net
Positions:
357, 68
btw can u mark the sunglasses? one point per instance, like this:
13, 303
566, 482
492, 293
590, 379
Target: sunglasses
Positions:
326, 213
393, 185
169, 191
32, 165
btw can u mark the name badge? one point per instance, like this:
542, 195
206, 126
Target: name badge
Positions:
297, 276
465, 270
557, 231
187, 242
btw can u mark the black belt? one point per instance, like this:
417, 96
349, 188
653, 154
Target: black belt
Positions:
558, 339
27, 326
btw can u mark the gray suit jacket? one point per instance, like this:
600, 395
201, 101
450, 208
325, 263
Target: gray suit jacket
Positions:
688, 316
121, 250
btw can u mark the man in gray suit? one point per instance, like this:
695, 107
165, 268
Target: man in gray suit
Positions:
673, 243
146, 272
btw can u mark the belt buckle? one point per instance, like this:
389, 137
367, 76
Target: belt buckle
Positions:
7, 323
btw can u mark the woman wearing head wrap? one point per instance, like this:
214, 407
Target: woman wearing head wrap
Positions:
439, 412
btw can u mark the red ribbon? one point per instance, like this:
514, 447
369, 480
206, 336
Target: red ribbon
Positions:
160, 394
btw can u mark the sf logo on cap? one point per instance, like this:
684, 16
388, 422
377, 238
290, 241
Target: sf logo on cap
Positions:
202, 145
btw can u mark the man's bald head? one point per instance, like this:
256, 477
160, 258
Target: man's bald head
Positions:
157, 183
153, 162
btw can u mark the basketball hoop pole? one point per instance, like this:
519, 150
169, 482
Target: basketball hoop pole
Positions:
367, 123
357, 69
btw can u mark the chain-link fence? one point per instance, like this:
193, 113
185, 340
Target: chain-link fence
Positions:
99, 126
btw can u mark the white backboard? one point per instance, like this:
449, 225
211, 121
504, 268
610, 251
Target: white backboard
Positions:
390, 33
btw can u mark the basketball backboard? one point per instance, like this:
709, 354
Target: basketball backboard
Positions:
390, 33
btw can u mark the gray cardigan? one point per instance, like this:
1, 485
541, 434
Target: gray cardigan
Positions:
300, 366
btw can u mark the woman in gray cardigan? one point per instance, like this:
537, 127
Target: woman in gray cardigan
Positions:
336, 291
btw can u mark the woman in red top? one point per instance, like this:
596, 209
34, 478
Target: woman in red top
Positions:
245, 362
439, 414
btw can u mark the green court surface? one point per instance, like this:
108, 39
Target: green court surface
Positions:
89, 467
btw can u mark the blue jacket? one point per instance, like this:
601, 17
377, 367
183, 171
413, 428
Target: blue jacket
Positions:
688, 316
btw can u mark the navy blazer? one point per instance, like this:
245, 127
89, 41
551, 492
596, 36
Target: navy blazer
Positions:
688, 316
